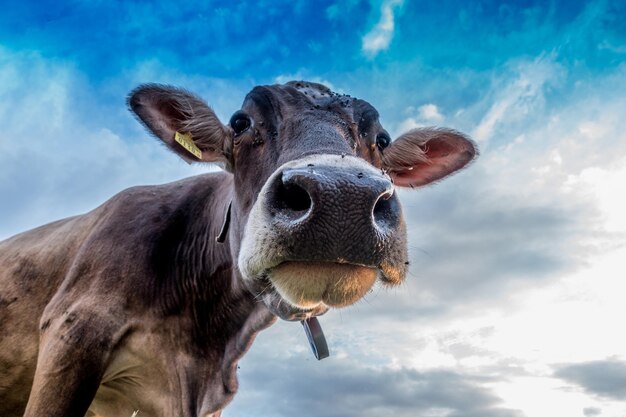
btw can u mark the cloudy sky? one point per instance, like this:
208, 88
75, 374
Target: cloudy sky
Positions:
514, 303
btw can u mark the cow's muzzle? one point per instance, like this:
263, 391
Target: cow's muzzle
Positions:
323, 229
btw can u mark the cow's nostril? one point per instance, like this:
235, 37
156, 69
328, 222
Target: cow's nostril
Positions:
386, 210
292, 197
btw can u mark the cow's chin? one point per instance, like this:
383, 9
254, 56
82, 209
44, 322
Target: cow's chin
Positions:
309, 285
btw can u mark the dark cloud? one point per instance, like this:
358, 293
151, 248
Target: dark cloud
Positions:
465, 239
339, 387
605, 378
592, 411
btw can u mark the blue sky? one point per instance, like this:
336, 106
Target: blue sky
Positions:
514, 302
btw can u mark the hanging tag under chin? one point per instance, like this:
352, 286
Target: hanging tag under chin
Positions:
316, 337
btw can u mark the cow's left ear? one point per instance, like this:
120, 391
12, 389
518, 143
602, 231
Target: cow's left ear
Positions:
184, 122
424, 155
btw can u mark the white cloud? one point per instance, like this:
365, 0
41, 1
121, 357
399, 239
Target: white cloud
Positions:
620, 49
518, 97
408, 124
379, 37
604, 184
425, 115
430, 112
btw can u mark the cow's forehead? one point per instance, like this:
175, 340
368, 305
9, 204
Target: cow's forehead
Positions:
314, 91
280, 100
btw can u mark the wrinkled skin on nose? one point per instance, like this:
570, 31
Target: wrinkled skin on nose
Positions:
341, 208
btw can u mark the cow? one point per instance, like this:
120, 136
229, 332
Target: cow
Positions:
148, 301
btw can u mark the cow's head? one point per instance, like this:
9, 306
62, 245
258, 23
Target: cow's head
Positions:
315, 218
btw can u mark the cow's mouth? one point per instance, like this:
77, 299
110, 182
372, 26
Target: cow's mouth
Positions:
310, 288
297, 290
308, 284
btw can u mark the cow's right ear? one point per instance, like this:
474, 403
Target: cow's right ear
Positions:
184, 122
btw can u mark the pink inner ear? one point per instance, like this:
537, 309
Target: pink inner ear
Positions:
434, 169
439, 157
410, 177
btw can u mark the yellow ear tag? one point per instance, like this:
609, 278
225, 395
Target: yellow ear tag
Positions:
185, 141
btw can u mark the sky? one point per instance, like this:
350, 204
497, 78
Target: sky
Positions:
514, 302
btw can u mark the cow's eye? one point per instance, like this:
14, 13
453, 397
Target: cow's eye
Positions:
240, 122
382, 140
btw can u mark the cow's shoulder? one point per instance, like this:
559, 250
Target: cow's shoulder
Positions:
131, 228
118, 247
141, 214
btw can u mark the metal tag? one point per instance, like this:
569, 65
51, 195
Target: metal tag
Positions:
316, 337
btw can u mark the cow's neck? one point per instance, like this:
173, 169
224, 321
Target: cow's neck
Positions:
194, 273
224, 317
